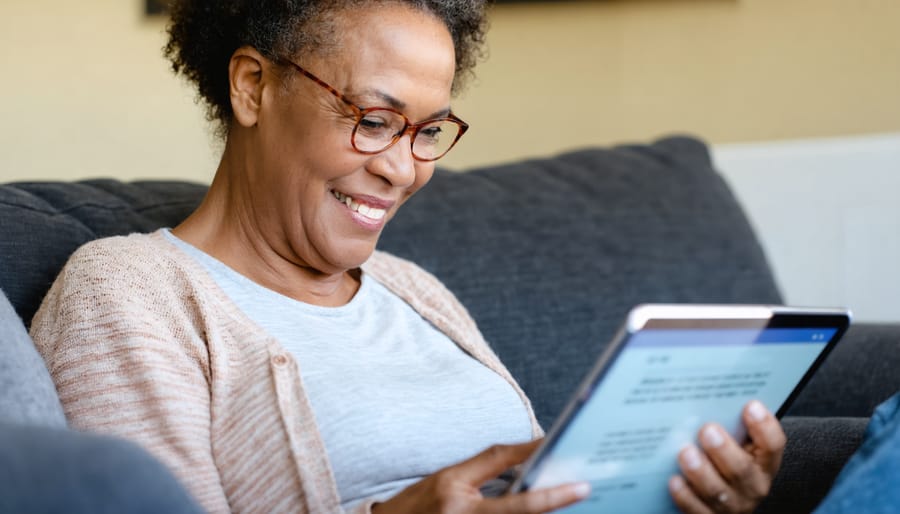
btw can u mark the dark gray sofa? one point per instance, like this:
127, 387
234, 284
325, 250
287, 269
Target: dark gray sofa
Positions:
548, 255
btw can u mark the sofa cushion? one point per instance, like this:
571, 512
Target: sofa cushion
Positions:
44, 222
548, 255
817, 449
54, 471
27, 395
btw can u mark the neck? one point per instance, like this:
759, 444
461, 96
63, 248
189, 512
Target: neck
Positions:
230, 226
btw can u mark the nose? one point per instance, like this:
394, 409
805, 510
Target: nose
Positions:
396, 165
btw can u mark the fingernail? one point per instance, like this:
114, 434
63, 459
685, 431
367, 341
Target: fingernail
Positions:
712, 437
676, 484
691, 457
757, 411
581, 489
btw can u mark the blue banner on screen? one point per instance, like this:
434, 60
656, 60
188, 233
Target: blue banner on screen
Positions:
664, 385
673, 338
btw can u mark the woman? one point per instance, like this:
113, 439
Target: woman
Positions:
262, 348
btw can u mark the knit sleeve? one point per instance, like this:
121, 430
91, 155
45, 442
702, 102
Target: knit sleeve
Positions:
123, 345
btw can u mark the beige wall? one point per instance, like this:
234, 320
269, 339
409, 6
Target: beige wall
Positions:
741, 70
86, 93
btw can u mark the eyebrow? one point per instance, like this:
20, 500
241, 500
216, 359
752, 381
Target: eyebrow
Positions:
396, 103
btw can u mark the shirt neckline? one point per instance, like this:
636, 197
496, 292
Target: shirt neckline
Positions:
217, 268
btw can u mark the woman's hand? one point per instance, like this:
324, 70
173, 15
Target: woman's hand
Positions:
456, 489
724, 477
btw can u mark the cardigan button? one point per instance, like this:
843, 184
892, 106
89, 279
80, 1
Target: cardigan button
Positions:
279, 360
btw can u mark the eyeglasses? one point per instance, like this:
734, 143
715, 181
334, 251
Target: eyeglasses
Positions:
379, 128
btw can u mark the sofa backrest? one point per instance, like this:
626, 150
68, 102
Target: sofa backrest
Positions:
548, 254
43, 223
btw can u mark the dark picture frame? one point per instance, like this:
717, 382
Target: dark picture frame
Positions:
155, 7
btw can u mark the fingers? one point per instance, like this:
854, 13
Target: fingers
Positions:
685, 498
492, 461
705, 484
456, 489
767, 436
735, 465
724, 477
539, 501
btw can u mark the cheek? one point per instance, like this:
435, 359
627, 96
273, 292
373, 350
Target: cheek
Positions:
321, 160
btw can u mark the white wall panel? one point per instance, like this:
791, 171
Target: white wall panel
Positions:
828, 214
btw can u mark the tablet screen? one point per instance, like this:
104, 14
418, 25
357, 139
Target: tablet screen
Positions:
660, 389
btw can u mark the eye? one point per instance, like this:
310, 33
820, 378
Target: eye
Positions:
429, 136
432, 132
372, 122
380, 125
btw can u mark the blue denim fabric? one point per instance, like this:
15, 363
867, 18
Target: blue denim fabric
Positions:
870, 482
59, 471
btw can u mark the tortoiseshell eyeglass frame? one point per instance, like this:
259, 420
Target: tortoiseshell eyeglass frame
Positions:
409, 128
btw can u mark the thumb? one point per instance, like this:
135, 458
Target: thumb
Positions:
493, 461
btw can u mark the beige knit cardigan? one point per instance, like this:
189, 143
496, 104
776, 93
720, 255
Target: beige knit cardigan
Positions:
141, 343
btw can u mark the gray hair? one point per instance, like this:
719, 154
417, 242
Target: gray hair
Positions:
204, 34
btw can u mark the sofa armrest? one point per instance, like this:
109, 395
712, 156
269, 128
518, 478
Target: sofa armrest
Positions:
859, 374
52, 470
817, 449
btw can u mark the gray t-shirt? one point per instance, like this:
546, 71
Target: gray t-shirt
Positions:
394, 398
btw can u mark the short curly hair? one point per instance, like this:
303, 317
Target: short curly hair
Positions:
203, 35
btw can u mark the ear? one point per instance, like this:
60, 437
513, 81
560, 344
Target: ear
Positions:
245, 77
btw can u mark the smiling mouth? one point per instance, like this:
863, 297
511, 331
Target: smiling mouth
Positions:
373, 213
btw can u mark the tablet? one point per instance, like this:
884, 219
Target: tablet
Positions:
671, 369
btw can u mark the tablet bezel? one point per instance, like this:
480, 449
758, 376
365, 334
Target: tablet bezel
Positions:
674, 316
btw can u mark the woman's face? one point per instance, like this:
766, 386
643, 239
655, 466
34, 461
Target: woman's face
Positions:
387, 56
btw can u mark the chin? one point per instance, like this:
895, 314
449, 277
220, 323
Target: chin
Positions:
352, 256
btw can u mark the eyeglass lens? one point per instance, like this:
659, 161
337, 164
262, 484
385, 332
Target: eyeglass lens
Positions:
379, 128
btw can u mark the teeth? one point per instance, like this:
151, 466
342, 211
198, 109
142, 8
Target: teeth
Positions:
367, 211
